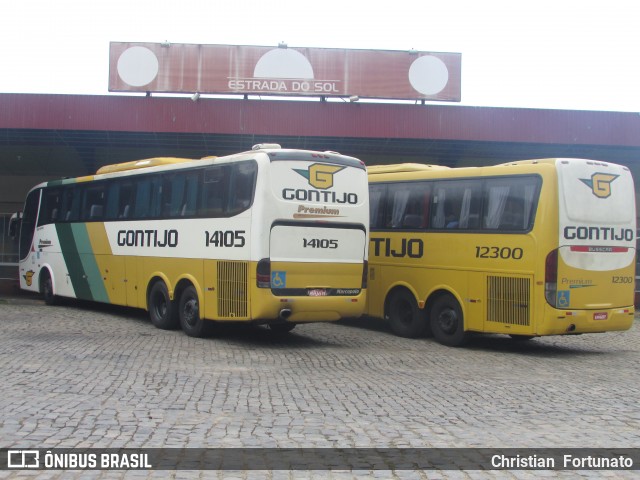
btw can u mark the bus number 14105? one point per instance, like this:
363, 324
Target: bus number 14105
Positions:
225, 238
319, 243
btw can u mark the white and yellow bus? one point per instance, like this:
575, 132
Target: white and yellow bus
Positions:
530, 248
273, 236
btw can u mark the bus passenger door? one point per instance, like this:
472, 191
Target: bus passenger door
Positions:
210, 289
132, 289
115, 280
475, 304
375, 290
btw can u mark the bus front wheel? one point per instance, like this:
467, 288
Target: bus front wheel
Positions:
404, 315
447, 322
47, 288
161, 308
189, 310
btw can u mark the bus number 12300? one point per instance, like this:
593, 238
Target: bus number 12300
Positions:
505, 253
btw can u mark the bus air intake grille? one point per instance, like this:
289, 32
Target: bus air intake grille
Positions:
233, 285
508, 300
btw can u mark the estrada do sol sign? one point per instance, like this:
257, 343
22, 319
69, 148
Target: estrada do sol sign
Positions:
282, 70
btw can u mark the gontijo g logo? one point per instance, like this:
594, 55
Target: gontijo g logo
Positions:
600, 184
320, 175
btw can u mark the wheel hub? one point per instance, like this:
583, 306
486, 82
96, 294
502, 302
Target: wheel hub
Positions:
190, 312
448, 321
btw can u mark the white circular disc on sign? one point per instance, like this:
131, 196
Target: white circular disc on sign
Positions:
283, 63
428, 75
137, 66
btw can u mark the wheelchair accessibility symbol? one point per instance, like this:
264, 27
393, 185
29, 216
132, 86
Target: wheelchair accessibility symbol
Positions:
278, 279
564, 298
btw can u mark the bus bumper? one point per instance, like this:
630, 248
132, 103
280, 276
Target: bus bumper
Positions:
310, 309
588, 321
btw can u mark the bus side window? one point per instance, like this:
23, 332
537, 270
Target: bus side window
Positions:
93, 203
510, 203
50, 207
416, 209
148, 198
444, 214
457, 205
377, 195
27, 228
176, 194
120, 198
71, 197
242, 186
406, 206
126, 196
470, 205
215, 190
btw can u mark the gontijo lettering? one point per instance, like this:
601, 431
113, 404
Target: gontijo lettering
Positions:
318, 196
572, 232
413, 247
148, 238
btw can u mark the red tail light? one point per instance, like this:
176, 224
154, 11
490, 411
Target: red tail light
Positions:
365, 274
263, 273
551, 278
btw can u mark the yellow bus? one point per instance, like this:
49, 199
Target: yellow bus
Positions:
529, 248
273, 236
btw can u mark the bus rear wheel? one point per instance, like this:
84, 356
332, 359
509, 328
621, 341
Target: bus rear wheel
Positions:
189, 311
521, 338
404, 315
447, 322
161, 308
281, 328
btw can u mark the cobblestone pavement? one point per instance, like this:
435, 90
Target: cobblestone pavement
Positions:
86, 375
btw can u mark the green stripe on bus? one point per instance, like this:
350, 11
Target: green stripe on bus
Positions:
81, 263
89, 263
72, 261
63, 181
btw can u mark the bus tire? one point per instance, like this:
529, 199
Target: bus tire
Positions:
521, 338
405, 317
281, 328
46, 287
189, 312
447, 322
162, 310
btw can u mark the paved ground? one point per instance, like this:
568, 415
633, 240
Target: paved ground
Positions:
85, 375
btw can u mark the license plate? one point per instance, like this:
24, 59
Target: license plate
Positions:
317, 292
600, 316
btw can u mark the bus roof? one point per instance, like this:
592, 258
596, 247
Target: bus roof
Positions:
556, 160
273, 150
403, 167
146, 163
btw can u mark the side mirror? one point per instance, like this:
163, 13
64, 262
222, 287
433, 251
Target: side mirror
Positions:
14, 224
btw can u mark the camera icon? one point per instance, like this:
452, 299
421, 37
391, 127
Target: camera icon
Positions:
23, 459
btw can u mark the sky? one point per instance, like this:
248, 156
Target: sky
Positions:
556, 54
